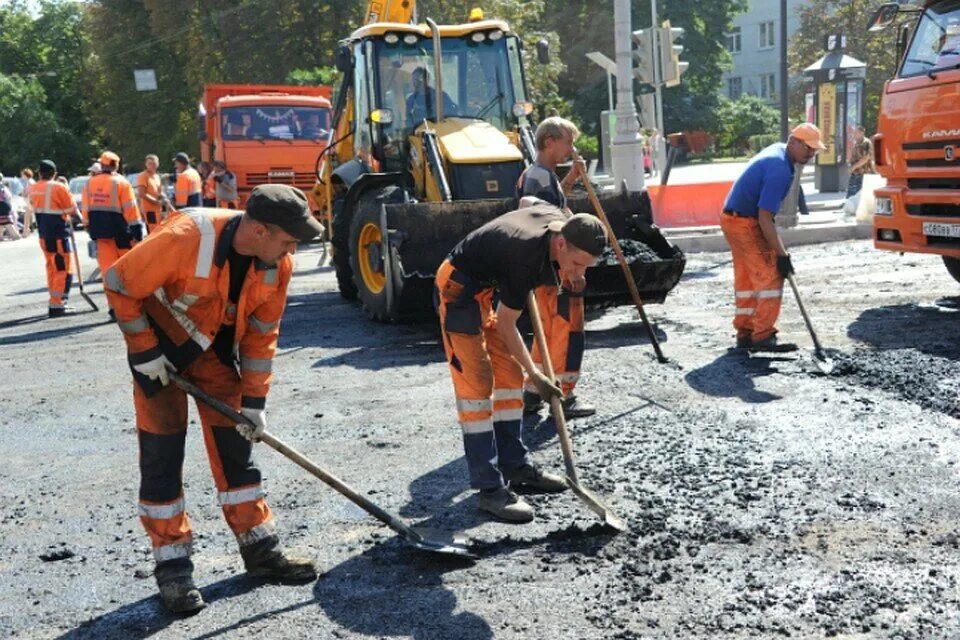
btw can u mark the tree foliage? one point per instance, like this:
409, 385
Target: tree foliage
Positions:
738, 120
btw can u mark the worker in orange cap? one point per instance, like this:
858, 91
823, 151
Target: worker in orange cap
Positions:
189, 188
760, 261
52, 202
150, 196
110, 212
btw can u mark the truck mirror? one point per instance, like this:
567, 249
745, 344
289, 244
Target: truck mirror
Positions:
883, 17
344, 61
543, 51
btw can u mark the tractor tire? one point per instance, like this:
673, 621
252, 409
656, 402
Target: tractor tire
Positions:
953, 266
366, 256
340, 244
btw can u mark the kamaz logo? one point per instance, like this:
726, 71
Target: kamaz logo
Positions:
948, 153
942, 133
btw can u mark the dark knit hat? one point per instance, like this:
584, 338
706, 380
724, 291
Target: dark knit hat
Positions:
285, 207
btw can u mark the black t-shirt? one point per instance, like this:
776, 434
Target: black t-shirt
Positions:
223, 342
511, 252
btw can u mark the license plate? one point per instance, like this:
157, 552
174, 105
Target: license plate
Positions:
942, 230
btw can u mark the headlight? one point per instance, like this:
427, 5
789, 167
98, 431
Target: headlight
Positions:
410, 38
521, 109
495, 35
884, 207
391, 38
478, 36
381, 116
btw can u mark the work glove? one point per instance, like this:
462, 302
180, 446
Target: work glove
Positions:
545, 387
259, 418
156, 369
784, 266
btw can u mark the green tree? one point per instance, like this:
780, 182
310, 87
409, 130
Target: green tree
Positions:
738, 120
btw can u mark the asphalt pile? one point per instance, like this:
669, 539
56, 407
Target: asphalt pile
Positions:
633, 251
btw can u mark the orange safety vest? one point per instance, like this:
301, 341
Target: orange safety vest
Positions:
188, 189
52, 202
176, 283
151, 186
110, 209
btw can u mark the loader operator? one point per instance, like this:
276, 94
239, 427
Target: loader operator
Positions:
52, 203
421, 101
203, 296
760, 261
481, 289
561, 308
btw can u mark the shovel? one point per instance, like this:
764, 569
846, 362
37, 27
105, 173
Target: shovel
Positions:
76, 263
824, 363
627, 274
423, 539
594, 503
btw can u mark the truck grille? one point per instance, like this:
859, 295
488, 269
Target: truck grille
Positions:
933, 162
282, 175
934, 183
929, 144
934, 210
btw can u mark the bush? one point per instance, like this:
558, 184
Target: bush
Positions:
739, 120
762, 141
588, 146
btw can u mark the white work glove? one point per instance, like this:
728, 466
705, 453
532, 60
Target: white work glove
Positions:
156, 369
259, 418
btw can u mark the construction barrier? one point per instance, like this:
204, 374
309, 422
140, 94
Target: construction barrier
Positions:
688, 205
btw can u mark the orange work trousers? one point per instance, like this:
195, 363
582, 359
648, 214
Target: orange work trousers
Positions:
561, 312
162, 430
57, 253
487, 381
758, 286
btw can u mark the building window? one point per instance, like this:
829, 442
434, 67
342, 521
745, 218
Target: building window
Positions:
733, 40
768, 86
735, 88
766, 35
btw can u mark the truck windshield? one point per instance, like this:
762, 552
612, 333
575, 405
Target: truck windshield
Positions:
277, 122
936, 43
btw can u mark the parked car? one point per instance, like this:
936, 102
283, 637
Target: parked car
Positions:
19, 204
76, 190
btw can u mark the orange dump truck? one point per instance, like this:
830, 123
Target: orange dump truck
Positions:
265, 133
917, 144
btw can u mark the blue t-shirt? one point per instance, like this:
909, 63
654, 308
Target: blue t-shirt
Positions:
764, 183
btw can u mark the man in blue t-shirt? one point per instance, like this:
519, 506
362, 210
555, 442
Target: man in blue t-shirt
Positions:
760, 261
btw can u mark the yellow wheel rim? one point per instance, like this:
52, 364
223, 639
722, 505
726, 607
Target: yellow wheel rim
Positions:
373, 280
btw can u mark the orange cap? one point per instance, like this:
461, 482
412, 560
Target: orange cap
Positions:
809, 134
109, 157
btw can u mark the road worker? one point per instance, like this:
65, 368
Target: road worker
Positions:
499, 264
189, 186
110, 213
209, 189
760, 261
204, 296
150, 196
226, 186
52, 203
561, 308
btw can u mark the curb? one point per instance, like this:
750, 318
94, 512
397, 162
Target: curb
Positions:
710, 239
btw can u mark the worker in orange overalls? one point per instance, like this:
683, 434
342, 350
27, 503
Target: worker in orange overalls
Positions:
499, 264
150, 196
209, 199
204, 296
189, 187
110, 213
52, 203
760, 261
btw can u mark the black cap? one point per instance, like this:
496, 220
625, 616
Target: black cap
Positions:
285, 207
584, 231
48, 165
182, 157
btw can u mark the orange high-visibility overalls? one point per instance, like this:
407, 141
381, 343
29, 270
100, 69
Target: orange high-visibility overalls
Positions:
112, 217
150, 185
188, 189
52, 202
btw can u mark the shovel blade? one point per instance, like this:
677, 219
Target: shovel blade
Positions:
595, 504
434, 541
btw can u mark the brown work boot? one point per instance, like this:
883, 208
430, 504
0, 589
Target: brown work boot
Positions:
506, 505
573, 408
772, 345
272, 563
180, 595
530, 477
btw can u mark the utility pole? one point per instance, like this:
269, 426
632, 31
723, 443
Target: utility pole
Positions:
784, 98
626, 149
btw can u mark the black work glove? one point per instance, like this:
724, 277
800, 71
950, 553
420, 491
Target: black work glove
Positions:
784, 266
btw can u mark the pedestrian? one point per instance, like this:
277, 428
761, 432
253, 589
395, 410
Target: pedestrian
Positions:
189, 185
110, 213
505, 258
9, 220
150, 197
229, 273
760, 261
94, 169
861, 161
52, 203
205, 169
561, 308
226, 183
27, 182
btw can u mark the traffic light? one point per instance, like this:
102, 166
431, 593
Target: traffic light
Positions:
643, 55
670, 55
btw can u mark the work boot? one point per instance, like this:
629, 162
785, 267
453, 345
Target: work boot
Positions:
744, 341
112, 314
531, 477
58, 312
772, 345
270, 562
532, 402
506, 505
573, 408
180, 595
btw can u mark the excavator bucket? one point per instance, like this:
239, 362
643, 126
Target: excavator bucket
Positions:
422, 234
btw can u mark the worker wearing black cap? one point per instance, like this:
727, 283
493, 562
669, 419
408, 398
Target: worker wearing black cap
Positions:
188, 191
203, 295
52, 203
482, 288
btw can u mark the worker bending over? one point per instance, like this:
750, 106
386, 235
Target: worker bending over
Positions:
204, 296
481, 289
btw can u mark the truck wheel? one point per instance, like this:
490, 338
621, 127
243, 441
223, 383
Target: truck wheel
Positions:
953, 266
367, 259
341, 254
